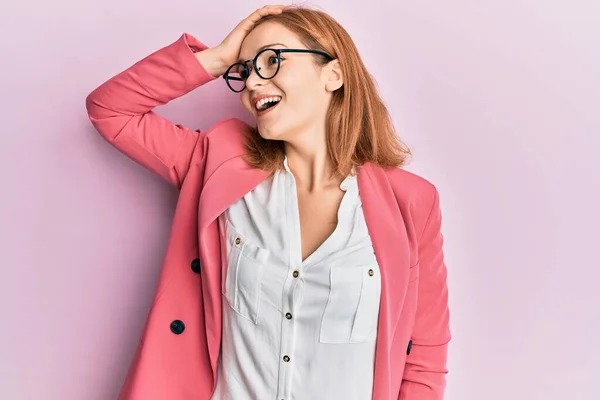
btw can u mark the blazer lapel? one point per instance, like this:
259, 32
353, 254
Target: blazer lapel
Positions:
230, 182
390, 242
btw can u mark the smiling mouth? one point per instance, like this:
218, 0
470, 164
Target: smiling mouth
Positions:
266, 103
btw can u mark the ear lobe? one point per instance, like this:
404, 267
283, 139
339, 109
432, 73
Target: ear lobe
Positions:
335, 80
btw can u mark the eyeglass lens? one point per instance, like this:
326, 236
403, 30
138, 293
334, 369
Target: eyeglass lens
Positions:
267, 64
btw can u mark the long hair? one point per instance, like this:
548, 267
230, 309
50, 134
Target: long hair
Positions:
358, 125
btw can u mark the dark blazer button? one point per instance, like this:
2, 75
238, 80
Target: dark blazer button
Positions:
409, 347
196, 265
177, 327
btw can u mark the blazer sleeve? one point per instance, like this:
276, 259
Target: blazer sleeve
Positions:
121, 109
425, 371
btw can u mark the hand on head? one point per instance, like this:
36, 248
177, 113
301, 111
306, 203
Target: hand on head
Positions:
229, 49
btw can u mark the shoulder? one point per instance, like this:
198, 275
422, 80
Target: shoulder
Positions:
412, 189
227, 129
224, 140
416, 196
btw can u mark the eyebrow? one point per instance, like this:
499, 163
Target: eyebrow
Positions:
265, 47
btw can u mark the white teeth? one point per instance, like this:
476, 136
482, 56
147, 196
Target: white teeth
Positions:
262, 103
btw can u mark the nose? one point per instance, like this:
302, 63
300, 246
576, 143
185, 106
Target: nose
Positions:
254, 80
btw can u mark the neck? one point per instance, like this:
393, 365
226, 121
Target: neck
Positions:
310, 163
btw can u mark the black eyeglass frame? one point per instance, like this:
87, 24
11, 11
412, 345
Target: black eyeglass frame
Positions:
278, 54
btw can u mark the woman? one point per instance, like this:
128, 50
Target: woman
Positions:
303, 263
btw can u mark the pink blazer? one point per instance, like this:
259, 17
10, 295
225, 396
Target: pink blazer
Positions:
176, 358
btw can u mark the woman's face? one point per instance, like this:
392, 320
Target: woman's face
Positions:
302, 86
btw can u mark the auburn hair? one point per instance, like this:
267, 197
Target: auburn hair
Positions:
359, 128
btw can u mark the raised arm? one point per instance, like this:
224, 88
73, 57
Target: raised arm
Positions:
121, 108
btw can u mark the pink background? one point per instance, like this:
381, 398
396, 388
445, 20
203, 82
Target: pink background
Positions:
498, 99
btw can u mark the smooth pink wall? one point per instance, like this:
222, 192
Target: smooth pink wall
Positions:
499, 100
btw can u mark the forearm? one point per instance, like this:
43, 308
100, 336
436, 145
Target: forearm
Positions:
162, 76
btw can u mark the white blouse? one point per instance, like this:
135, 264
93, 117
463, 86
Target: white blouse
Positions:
293, 329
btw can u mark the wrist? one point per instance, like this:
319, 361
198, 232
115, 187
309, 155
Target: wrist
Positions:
211, 61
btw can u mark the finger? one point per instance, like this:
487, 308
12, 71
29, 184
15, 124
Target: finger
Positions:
267, 10
259, 13
273, 7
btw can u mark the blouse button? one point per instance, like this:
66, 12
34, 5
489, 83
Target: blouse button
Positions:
371, 272
286, 358
295, 274
238, 240
288, 316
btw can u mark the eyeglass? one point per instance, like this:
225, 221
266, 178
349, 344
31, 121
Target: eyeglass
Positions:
266, 64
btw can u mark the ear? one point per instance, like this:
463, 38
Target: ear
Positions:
333, 76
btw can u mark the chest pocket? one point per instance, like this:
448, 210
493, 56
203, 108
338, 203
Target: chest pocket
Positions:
352, 309
243, 277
